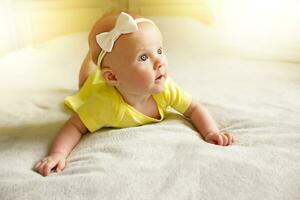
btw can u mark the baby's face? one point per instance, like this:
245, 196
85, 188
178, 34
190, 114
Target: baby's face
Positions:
138, 61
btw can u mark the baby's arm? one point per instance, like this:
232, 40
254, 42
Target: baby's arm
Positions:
206, 125
66, 139
87, 67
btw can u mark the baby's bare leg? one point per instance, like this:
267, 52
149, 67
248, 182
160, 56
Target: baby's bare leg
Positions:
86, 69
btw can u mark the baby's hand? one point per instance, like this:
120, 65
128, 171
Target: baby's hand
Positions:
54, 160
223, 139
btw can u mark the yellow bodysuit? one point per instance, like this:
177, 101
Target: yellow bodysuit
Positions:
99, 104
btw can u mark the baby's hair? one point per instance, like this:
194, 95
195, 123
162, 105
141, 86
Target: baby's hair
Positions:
105, 24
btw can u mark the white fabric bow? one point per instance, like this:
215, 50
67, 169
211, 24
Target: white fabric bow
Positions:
125, 24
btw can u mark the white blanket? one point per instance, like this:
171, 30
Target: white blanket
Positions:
258, 101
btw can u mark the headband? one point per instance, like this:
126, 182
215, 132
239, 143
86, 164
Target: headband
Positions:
124, 24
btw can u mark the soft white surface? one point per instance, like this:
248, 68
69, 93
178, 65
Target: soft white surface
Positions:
257, 101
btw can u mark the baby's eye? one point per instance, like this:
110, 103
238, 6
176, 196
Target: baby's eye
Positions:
159, 51
143, 57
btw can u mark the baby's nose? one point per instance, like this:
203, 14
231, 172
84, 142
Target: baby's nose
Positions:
158, 64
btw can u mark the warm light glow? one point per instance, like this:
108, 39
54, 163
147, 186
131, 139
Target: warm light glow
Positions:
260, 24
30, 22
259, 18
6, 27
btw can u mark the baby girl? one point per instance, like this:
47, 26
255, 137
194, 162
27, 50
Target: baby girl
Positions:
129, 87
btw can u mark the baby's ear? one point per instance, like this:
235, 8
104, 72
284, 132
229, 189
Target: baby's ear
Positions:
109, 76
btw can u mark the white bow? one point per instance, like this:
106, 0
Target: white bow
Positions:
125, 24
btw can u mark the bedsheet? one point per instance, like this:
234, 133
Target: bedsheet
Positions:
256, 100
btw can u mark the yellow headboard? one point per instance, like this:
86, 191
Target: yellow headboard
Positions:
198, 9
42, 20
30, 22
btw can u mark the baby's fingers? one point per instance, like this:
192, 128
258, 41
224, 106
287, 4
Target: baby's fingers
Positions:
61, 165
41, 167
37, 165
46, 166
222, 140
219, 139
230, 138
225, 140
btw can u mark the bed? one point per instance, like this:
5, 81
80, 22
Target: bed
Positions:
257, 100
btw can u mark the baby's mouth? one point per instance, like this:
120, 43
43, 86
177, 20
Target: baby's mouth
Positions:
160, 77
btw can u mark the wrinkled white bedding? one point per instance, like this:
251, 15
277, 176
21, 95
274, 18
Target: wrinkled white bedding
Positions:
258, 101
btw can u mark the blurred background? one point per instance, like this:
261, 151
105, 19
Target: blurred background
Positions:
266, 29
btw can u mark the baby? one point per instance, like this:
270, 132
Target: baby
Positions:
129, 87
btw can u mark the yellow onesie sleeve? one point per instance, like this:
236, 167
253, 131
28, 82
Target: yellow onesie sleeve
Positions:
95, 103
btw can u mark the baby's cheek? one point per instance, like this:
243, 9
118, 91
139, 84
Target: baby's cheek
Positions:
145, 79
